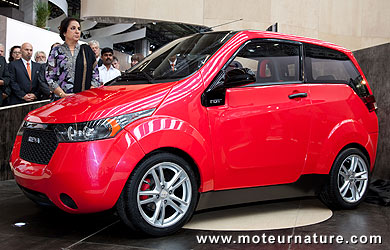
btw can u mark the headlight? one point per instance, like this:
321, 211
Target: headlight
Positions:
95, 130
21, 129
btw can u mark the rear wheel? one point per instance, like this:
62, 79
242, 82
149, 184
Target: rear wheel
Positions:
160, 195
348, 180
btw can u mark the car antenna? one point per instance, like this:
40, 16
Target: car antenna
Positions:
211, 28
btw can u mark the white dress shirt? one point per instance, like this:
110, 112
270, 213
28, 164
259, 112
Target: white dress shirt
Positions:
25, 63
107, 75
172, 64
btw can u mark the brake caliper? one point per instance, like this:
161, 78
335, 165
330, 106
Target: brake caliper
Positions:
145, 186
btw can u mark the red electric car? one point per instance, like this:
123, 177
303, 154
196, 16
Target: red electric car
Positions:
208, 120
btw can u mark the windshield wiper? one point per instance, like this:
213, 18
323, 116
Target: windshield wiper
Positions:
136, 75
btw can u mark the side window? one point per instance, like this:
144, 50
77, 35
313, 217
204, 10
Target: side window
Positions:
324, 65
271, 62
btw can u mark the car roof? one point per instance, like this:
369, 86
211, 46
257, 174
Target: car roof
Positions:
276, 35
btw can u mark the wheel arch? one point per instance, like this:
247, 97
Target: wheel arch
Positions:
177, 136
180, 153
346, 134
348, 146
358, 146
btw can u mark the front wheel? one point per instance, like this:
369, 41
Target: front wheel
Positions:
348, 180
160, 195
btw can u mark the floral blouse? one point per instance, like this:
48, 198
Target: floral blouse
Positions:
61, 68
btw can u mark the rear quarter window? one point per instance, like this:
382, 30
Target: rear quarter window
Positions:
324, 65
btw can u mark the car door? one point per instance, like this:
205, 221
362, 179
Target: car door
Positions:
260, 134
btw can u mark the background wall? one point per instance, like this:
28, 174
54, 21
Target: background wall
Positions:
354, 24
124, 60
3, 30
19, 33
375, 65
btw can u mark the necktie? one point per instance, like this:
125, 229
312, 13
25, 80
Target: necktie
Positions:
29, 70
173, 66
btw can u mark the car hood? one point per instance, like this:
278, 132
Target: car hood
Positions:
102, 102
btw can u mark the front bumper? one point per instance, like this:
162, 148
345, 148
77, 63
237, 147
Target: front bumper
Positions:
92, 173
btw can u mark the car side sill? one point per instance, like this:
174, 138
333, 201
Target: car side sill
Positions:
306, 185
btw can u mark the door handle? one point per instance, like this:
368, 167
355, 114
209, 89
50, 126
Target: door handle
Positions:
297, 95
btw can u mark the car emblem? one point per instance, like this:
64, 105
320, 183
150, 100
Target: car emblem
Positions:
215, 101
34, 139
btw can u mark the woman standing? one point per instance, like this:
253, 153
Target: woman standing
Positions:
71, 67
14, 53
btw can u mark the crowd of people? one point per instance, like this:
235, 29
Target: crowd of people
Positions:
69, 68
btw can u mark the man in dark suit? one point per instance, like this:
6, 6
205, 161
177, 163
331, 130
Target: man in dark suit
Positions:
4, 80
24, 77
173, 67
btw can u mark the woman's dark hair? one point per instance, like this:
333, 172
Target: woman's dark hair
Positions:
11, 51
64, 26
137, 57
54, 45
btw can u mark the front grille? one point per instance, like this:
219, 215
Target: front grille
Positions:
38, 146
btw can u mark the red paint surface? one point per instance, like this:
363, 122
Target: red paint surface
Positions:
258, 137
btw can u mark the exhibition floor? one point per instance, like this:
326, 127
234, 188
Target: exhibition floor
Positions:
23, 225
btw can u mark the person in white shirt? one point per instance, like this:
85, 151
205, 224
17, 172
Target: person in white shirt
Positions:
107, 72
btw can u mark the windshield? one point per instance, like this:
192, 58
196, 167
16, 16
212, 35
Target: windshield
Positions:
176, 60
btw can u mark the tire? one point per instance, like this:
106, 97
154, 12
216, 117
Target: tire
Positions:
160, 195
348, 180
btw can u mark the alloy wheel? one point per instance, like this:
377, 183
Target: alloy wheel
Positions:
164, 194
353, 178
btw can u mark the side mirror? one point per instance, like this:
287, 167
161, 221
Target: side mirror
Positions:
238, 77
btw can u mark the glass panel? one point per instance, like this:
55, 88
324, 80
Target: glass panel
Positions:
324, 65
271, 62
176, 60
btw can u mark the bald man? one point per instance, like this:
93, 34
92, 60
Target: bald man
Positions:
24, 77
